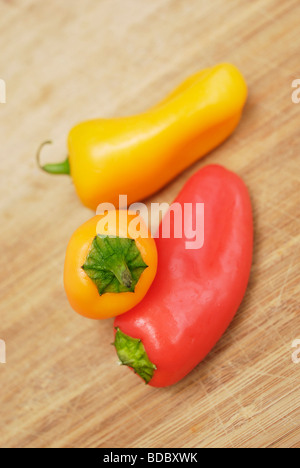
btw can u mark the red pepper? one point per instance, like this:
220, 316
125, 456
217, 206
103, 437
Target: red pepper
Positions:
196, 293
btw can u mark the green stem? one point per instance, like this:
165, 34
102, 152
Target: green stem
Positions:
56, 168
114, 264
122, 273
132, 353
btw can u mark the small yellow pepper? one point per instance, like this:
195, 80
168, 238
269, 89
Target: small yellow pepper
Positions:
108, 268
137, 155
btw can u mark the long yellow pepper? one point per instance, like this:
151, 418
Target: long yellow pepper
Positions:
138, 155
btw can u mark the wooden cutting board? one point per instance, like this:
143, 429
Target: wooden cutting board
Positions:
64, 62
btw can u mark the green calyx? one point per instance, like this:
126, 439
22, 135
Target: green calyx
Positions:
114, 264
132, 353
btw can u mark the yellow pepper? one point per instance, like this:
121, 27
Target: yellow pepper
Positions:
138, 155
108, 269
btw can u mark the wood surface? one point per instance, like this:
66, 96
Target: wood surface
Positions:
64, 62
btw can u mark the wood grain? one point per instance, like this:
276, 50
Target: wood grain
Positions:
68, 61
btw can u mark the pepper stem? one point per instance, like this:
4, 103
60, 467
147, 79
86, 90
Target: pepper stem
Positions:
121, 271
132, 353
114, 264
56, 168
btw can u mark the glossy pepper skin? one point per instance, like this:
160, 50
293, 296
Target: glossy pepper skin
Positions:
81, 291
138, 155
196, 293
